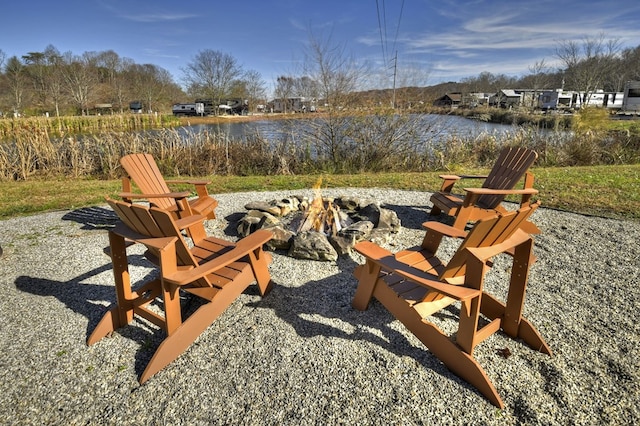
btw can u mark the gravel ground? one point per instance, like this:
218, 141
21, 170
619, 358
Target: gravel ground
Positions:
303, 355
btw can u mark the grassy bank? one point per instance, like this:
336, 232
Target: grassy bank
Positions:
610, 191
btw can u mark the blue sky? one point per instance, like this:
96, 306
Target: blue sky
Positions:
435, 41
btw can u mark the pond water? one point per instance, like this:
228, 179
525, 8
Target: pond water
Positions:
436, 127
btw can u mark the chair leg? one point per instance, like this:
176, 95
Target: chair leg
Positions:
367, 275
108, 324
175, 344
452, 356
525, 330
260, 260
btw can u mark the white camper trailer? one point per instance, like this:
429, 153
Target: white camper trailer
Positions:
555, 99
631, 101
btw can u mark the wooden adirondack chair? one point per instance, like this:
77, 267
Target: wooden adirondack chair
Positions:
413, 284
215, 270
143, 171
511, 166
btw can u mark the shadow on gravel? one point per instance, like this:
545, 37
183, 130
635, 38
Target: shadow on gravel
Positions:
93, 218
323, 308
411, 217
88, 300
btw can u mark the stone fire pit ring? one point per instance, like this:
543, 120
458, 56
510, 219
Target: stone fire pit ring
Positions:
360, 220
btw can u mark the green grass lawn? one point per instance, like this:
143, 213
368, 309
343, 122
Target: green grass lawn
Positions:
610, 191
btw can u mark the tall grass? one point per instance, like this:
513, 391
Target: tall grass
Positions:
62, 126
384, 143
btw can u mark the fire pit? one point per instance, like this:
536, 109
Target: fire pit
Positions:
322, 228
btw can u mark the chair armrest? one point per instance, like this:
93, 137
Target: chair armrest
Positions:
201, 185
473, 176
242, 248
489, 191
190, 182
387, 261
189, 221
450, 177
444, 229
177, 195
450, 180
457, 292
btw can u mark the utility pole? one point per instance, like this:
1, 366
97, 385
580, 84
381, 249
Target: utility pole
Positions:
395, 69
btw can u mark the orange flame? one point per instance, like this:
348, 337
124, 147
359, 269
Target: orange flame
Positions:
319, 216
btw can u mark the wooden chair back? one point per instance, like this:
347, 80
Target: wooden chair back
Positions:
144, 171
154, 223
509, 168
487, 233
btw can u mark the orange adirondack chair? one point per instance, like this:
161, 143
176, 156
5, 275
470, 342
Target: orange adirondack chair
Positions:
414, 284
215, 270
143, 171
512, 164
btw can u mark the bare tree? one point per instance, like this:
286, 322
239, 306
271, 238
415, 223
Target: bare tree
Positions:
16, 80
151, 84
80, 79
306, 87
113, 68
211, 74
285, 86
406, 77
335, 72
588, 63
256, 90
36, 69
539, 78
55, 83
628, 68
336, 76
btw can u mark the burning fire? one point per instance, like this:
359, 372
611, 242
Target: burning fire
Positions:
322, 215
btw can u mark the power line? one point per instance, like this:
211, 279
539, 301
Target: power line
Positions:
382, 28
395, 39
382, 37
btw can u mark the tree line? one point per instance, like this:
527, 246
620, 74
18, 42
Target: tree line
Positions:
70, 84
58, 83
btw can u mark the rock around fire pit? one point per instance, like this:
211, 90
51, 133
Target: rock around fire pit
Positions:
321, 228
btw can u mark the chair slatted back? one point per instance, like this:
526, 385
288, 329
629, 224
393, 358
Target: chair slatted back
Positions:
510, 167
144, 171
155, 223
487, 232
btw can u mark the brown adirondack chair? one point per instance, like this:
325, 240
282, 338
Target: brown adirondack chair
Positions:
215, 270
512, 164
414, 284
143, 171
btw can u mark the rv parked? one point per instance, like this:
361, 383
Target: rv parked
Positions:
631, 101
184, 109
613, 100
135, 107
555, 100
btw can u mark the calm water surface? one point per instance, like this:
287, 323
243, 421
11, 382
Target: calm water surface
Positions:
437, 127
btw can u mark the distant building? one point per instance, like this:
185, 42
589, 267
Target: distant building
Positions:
506, 98
293, 104
451, 100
